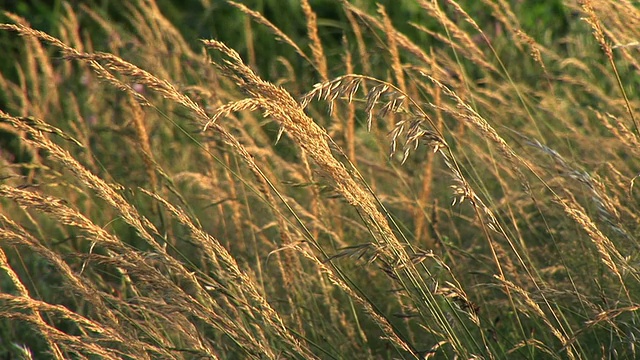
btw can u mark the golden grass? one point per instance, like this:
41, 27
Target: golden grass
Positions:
472, 198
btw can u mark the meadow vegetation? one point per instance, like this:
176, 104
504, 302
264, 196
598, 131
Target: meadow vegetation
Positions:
459, 183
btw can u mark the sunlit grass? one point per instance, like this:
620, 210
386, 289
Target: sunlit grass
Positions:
471, 195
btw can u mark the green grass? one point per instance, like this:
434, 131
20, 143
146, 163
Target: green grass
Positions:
459, 183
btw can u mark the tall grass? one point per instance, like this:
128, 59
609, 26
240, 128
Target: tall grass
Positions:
471, 195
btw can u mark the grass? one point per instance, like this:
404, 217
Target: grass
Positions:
458, 183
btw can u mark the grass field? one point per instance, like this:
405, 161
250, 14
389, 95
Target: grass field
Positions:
320, 179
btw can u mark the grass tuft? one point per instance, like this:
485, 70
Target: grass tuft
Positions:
456, 184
